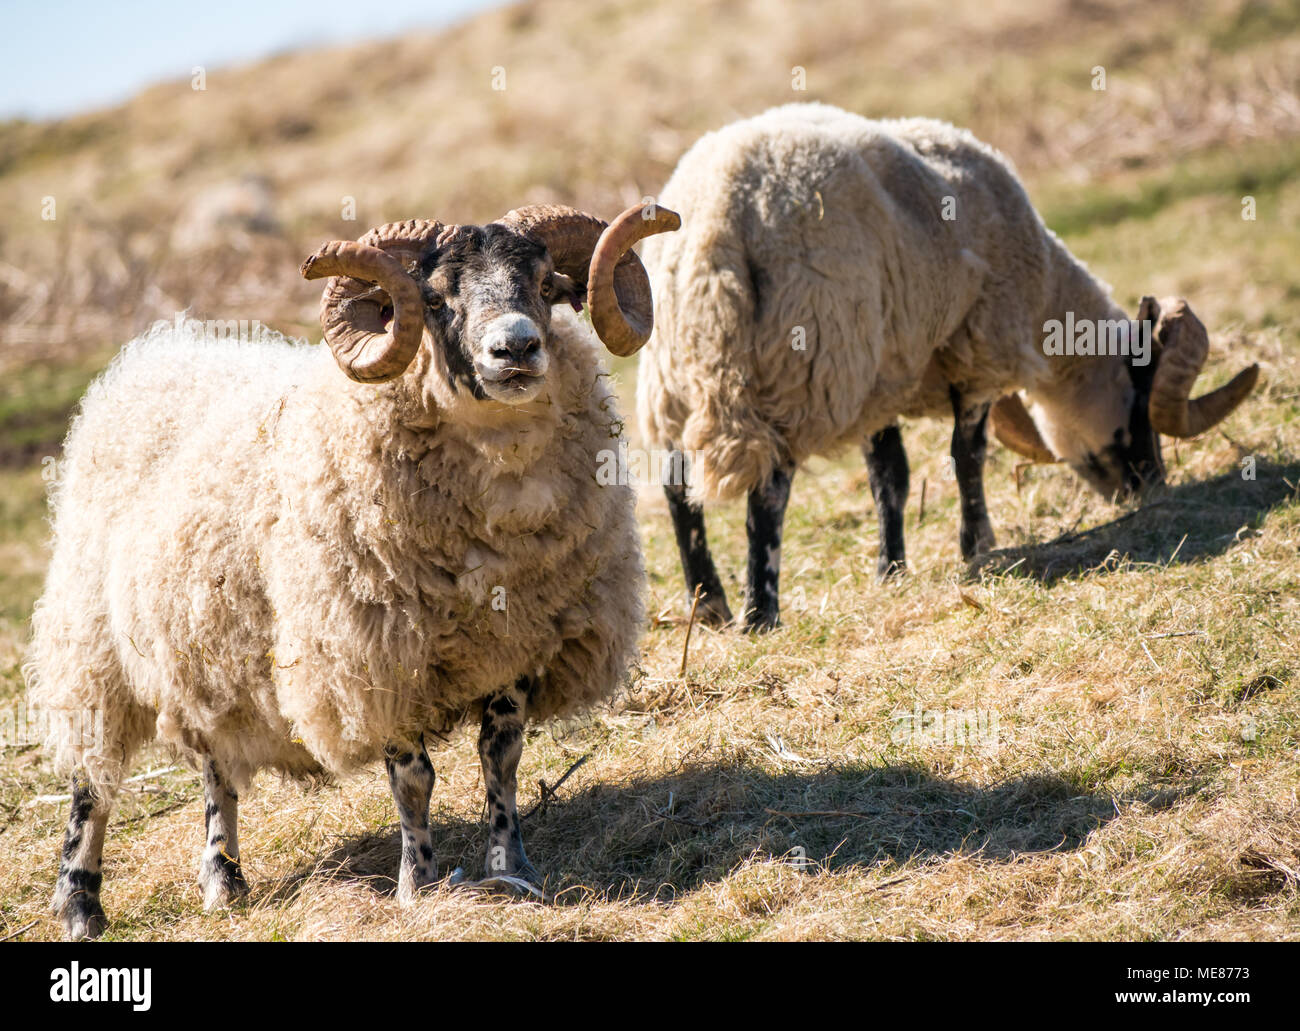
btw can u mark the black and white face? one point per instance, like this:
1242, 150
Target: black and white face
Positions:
1126, 466
1102, 429
1131, 462
488, 294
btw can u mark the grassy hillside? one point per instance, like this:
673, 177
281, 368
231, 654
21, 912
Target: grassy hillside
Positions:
1139, 664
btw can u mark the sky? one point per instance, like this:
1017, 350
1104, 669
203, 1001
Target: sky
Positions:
60, 57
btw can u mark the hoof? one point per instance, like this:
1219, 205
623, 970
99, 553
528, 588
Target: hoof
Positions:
412, 884
505, 884
517, 887
890, 570
83, 918
519, 877
758, 622
528, 873
712, 611
223, 886
973, 545
409, 896
520, 869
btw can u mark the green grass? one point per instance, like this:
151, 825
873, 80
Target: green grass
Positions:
22, 532
1225, 175
36, 402
1255, 22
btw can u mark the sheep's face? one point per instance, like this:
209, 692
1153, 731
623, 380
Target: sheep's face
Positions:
488, 297
1103, 430
1130, 462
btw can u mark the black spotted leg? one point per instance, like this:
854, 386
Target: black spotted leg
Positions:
411, 777
693, 546
500, 744
76, 892
220, 876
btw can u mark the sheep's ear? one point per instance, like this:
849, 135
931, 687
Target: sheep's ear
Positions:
566, 290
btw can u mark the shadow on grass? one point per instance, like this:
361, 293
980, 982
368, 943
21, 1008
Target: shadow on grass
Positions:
1187, 523
657, 838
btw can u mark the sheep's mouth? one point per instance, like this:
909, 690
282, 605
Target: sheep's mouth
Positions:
510, 383
510, 375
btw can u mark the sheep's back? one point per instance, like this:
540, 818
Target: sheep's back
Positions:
799, 304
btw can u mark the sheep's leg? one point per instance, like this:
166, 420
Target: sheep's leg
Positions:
500, 744
697, 561
220, 875
887, 470
764, 524
76, 893
969, 446
411, 776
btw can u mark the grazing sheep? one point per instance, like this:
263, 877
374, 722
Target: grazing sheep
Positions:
264, 563
836, 273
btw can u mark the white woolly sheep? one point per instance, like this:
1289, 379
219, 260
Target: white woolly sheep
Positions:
266, 564
836, 273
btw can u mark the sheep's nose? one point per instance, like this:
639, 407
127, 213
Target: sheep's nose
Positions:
517, 347
512, 339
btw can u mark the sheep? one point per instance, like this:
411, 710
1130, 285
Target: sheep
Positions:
265, 564
837, 273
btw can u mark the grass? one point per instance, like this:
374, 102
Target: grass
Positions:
1140, 662
1260, 172
36, 402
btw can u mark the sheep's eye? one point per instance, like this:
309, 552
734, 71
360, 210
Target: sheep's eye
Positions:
548, 289
435, 302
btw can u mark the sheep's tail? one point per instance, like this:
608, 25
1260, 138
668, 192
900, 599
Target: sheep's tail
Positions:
733, 449
713, 352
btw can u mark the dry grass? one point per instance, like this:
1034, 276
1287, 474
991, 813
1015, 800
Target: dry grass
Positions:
1140, 663
599, 104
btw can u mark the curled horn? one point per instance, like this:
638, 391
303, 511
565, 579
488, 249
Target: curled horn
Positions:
1013, 426
372, 310
599, 255
618, 289
1184, 346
